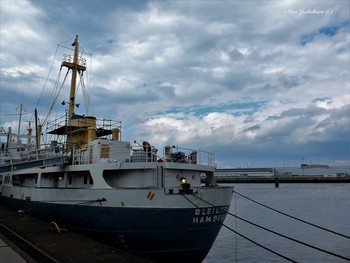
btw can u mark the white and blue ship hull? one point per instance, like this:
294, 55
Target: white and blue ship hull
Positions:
158, 226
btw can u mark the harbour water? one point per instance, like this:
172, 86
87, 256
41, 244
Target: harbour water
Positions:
325, 205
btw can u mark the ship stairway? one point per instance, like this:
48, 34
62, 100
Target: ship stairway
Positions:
51, 161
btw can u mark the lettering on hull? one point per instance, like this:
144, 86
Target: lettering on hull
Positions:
210, 214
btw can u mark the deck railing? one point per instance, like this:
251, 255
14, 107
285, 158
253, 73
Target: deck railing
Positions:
118, 153
113, 152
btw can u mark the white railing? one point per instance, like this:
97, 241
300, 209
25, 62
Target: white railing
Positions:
194, 156
69, 58
113, 153
24, 153
23, 157
172, 154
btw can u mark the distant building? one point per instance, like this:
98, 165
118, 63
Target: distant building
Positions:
303, 170
313, 170
245, 172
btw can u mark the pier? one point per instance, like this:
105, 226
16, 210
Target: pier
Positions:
285, 179
303, 174
27, 239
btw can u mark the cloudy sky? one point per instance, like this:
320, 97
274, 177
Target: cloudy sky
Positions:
260, 83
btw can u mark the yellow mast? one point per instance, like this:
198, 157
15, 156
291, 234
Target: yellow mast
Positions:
74, 78
81, 129
75, 67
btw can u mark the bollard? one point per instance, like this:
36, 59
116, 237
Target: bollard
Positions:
276, 182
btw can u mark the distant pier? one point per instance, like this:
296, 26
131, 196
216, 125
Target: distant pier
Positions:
303, 174
281, 180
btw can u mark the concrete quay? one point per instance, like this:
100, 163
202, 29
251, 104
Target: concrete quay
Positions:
8, 254
65, 247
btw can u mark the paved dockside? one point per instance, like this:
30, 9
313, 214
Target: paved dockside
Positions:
8, 254
65, 247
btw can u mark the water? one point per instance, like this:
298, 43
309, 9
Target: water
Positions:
326, 205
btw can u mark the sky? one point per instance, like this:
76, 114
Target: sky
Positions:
259, 83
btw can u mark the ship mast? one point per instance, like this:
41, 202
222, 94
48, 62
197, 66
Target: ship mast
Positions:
74, 78
76, 67
79, 130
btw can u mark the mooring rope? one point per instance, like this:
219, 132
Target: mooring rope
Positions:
290, 238
273, 232
236, 227
258, 244
243, 236
293, 217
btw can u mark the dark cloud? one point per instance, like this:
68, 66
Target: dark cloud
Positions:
253, 82
289, 81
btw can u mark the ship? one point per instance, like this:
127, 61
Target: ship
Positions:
87, 179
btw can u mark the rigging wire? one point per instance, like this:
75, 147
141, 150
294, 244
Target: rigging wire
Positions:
55, 99
47, 79
293, 217
279, 234
88, 105
55, 92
